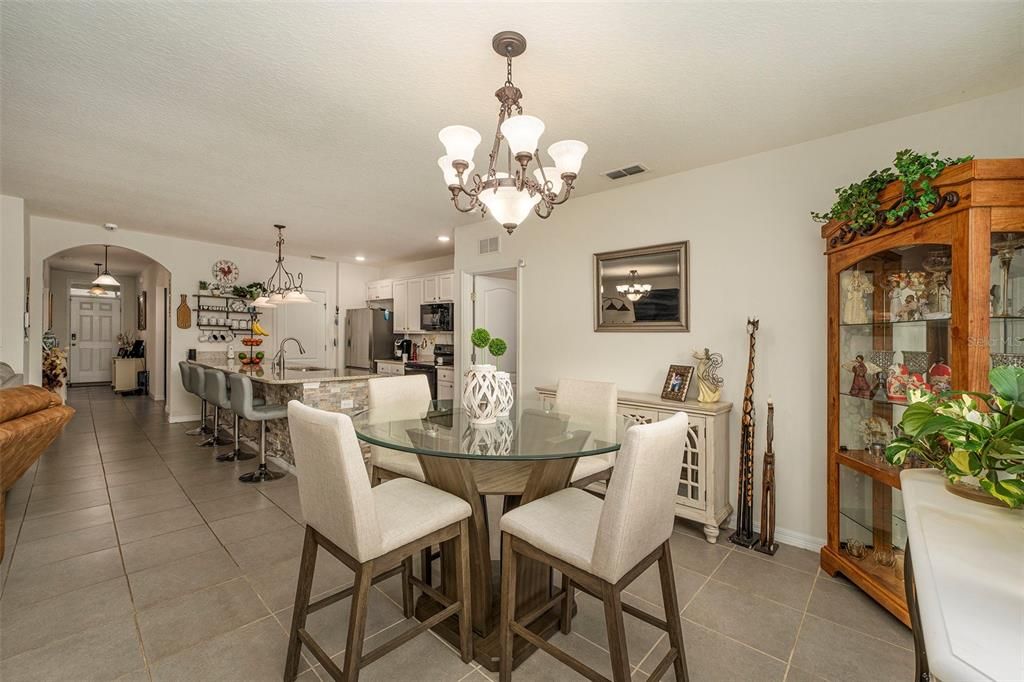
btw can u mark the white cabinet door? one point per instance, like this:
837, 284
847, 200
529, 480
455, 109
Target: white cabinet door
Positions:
400, 292
429, 289
445, 390
415, 300
446, 287
384, 289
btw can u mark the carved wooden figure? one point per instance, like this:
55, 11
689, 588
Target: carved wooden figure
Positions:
766, 543
744, 533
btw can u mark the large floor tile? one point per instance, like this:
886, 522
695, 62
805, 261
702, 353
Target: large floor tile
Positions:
839, 653
190, 574
409, 662
541, 667
851, 607
713, 657
141, 506
765, 625
590, 623
78, 485
250, 524
168, 548
766, 579
144, 489
69, 472
64, 522
794, 557
249, 501
148, 461
157, 523
103, 652
697, 554
648, 588
182, 622
65, 503
59, 547
269, 548
139, 476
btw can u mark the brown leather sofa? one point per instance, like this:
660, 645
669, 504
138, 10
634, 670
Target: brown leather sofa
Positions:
30, 419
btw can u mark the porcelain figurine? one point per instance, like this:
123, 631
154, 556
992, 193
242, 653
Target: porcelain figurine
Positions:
895, 296
897, 382
940, 376
709, 384
909, 310
875, 430
861, 387
858, 287
943, 295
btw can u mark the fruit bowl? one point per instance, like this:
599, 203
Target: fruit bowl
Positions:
252, 341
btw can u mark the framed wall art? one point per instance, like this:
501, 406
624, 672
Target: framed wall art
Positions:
142, 311
643, 290
677, 382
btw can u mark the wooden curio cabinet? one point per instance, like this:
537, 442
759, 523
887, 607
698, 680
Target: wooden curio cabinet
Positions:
921, 303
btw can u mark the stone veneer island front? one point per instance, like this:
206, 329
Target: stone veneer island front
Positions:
330, 390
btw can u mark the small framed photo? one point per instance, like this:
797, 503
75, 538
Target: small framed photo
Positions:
141, 312
677, 382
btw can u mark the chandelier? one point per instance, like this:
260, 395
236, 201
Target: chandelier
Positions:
282, 286
635, 290
509, 194
96, 289
106, 279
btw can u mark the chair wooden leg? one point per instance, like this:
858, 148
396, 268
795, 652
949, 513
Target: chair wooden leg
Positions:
302, 591
567, 604
407, 602
508, 607
357, 621
464, 592
616, 633
426, 558
671, 602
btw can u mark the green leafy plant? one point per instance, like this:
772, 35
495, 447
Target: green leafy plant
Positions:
480, 338
497, 347
55, 368
952, 433
858, 206
250, 291
204, 285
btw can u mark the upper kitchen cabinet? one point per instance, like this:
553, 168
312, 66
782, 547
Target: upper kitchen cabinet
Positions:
400, 306
437, 288
379, 290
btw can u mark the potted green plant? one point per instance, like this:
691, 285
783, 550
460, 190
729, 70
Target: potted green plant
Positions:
204, 286
55, 370
481, 387
975, 439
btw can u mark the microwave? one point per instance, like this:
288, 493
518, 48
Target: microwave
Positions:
437, 317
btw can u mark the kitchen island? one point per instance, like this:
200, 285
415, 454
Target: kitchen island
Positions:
333, 390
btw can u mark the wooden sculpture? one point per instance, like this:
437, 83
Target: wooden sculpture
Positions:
744, 533
766, 543
184, 314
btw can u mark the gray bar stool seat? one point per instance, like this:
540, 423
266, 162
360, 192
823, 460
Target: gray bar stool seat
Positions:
185, 369
217, 393
243, 405
198, 375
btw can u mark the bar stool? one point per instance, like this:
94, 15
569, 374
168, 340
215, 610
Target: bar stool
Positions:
243, 406
601, 547
218, 394
597, 403
184, 369
198, 375
375, 532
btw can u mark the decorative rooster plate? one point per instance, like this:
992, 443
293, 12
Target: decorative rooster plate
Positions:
225, 272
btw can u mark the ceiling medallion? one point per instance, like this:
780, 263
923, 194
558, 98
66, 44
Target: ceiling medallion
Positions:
511, 193
106, 279
282, 286
635, 290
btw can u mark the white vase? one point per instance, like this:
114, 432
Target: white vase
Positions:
506, 396
480, 394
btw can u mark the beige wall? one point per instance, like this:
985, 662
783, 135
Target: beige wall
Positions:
12, 282
418, 267
754, 251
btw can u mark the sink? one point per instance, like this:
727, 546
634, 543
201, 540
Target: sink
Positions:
308, 369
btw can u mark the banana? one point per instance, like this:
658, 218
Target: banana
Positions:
258, 329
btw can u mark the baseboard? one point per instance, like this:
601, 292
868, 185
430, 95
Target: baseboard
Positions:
281, 464
796, 539
175, 419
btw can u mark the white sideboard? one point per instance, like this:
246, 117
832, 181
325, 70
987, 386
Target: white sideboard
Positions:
703, 492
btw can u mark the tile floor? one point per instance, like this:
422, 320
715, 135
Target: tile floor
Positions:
132, 555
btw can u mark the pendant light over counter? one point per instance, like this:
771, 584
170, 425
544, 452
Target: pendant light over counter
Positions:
106, 279
282, 286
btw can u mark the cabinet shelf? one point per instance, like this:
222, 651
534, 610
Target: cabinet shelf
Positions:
895, 323
869, 465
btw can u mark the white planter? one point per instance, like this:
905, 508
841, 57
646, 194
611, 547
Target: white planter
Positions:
480, 394
506, 396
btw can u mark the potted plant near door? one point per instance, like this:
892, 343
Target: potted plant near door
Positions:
976, 440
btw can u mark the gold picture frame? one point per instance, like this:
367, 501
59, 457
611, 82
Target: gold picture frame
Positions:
677, 383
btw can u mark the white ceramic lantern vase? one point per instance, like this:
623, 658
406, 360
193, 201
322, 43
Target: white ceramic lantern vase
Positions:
480, 394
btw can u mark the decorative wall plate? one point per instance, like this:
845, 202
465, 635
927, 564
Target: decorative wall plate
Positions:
225, 271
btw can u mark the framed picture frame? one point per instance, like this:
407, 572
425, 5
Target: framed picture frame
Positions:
677, 382
142, 311
646, 289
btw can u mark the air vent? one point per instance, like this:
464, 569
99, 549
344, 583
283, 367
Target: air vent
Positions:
490, 245
316, 257
619, 173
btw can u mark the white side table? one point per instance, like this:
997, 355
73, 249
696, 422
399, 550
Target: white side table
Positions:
967, 579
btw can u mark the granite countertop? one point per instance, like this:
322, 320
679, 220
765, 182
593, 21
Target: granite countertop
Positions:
264, 373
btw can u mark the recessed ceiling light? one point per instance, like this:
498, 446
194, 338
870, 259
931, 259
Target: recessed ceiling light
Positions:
360, 258
109, 227
444, 238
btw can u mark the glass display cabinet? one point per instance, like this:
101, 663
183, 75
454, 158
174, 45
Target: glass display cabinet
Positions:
918, 303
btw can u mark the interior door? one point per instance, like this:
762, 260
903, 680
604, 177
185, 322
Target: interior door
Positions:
495, 309
308, 323
95, 324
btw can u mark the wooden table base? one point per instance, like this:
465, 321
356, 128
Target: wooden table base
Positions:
459, 477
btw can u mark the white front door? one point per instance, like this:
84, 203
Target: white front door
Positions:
495, 309
95, 324
308, 323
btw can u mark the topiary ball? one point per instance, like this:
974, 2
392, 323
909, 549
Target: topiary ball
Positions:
480, 337
497, 347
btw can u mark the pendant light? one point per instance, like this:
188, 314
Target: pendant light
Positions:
96, 289
282, 286
106, 279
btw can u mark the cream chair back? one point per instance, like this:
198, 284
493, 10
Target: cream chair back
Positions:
404, 397
593, 402
334, 490
639, 508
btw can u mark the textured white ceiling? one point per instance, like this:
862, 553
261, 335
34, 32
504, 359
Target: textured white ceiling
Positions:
214, 120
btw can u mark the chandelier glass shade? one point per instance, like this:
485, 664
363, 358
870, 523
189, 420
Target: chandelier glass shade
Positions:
96, 289
509, 195
106, 279
282, 286
635, 289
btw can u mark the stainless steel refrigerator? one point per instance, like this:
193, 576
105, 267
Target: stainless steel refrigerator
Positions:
369, 336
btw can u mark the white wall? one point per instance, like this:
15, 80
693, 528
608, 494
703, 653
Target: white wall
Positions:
188, 262
753, 252
352, 281
153, 280
12, 282
418, 267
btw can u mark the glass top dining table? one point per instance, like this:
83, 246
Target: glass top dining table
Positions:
533, 431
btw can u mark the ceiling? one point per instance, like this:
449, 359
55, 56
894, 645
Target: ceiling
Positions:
84, 258
215, 120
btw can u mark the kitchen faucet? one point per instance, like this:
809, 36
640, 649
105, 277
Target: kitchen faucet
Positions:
277, 363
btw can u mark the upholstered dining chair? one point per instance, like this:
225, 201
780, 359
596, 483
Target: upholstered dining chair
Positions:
596, 402
398, 395
601, 547
374, 531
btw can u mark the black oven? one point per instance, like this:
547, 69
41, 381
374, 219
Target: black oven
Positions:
437, 317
